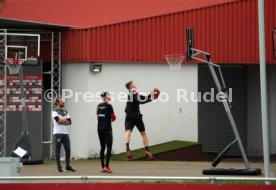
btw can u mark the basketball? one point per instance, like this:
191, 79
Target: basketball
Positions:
156, 93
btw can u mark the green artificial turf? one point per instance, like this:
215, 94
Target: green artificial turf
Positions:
139, 154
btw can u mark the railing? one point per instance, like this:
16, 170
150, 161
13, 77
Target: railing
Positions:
212, 180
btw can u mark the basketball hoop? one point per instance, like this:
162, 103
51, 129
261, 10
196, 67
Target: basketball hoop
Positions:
14, 65
175, 61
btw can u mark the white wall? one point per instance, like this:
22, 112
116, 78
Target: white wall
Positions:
164, 121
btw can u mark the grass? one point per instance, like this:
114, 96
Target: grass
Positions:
139, 154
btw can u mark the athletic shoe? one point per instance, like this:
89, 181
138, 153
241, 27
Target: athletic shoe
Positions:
129, 154
108, 169
59, 170
70, 169
149, 155
102, 169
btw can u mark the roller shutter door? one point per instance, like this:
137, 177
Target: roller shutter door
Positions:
214, 128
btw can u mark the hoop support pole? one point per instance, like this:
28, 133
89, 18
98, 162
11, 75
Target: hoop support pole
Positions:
225, 103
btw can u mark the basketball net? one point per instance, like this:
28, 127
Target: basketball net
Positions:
14, 65
175, 61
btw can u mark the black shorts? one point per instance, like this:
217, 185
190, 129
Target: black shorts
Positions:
134, 119
106, 138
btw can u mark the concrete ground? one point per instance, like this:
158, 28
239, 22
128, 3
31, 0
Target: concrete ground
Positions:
135, 168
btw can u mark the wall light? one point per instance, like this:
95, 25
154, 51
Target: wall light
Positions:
96, 68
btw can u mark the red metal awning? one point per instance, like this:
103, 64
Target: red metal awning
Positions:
91, 13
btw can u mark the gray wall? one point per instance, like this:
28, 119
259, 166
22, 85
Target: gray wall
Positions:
254, 125
272, 106
46, 129
215, 131
254, 138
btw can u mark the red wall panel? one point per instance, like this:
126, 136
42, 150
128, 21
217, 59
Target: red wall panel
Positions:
45, 51
270, 16
229, 32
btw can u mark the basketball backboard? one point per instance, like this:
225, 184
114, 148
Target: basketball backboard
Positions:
189, 43
23, 46
16, 52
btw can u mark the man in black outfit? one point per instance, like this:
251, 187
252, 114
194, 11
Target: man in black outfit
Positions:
105, 115
134, 117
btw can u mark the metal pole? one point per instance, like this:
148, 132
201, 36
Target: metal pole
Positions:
5, 112
39, 179
23, 100
59, 64
38, 45
52, 88
263, 88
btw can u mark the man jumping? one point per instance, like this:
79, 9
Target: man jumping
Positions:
105, 115
134, 118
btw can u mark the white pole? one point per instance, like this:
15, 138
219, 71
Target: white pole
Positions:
38, 45
263, 88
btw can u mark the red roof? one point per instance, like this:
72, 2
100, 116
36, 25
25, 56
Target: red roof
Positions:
91, 13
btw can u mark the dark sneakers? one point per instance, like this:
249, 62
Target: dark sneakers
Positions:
59, 170
70, 169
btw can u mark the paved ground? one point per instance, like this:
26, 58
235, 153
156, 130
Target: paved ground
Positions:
135, 168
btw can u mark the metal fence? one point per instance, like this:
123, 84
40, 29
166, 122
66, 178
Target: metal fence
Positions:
211, 180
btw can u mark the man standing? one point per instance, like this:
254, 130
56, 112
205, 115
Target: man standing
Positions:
61, 120
134, 118
105, 116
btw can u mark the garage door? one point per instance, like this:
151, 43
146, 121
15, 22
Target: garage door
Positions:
215, 131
